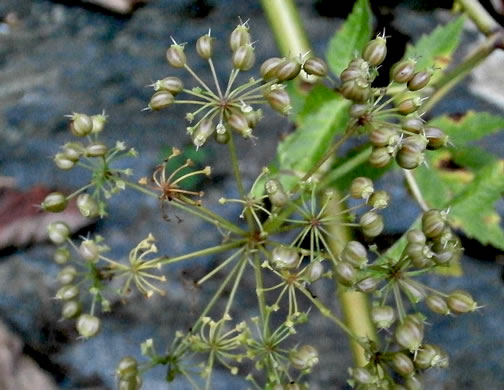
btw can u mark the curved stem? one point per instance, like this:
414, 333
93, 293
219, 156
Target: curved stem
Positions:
415, 190
479, 15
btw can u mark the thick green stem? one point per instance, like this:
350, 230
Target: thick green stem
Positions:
479, 15
287, 28
203, 252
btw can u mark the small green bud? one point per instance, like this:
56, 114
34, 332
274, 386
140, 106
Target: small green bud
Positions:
313, 272
276, 194
304, 357
239, 37
67, 275
358, 110
413, 289
67, 292
63, 162
413, 383
269, 67
315, 66
403, 71
382, 136
383, 316
55, 202
127, 368
96, 149
58, 232
409, 334
431, 356
380, 157
71, 309
161, 99
73, 150
350, 74
88, 206
379, 199
436, 137
409, 105
413, 124
244, 57
361, 188
175, 56
345, 273
204, 46
367, 285
204, 130
89, 251
253, 117
288, 69
420, 80
171, 84
437, 304
362, 375
354, 253
88, 325
402, 364
460, 301
284, 257
375, 51
81, 125
416, 236
279, 100
61, 255
371, 224
357, 90
99, 121
433, 223
239, 122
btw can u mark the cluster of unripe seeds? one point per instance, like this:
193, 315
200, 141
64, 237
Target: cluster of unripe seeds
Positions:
222, 108
397, 132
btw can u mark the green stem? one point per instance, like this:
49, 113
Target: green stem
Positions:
260, 291
415, 190
479, 15
346, 167
450, 79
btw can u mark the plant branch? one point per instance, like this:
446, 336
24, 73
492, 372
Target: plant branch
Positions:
415, 190
480, 16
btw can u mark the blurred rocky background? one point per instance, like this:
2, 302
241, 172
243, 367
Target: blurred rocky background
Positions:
57, 57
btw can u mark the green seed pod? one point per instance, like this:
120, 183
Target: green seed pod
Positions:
99, 121
175, 56
239, 37
443, 254
413, 290
81, 125
313, 272
383, 316
361, 188
160, 100
304, 357
357, 90
420, 80
411, 153
73, 150
61, 255
239, 122
127, 384
346, 273
58, 232
416, 236
362, 375
413, 124
279, 100
88, 206
222, 138
382, 136
89, 251
379, 158
358, 110
67, 292
171, 84
269, 67
371, 224
409, 334
284, 257
288, 69
409, 105
243, 57
359, 63
437, 304
67, 275
413, 383
350, 74
379, 199
431, 356
402, 364
71, 309
63, 162
460, 301
375, 51
403, 71
204, 46
419, 254
55, 202
127, 368
433, 223
354, 253
436, 137
96, 149
88, 325
367, 285
315, 66
204, 130
276, 194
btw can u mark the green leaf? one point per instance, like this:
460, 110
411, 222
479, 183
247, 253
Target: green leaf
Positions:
350, 38
303, 148
436, 48
473, 210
